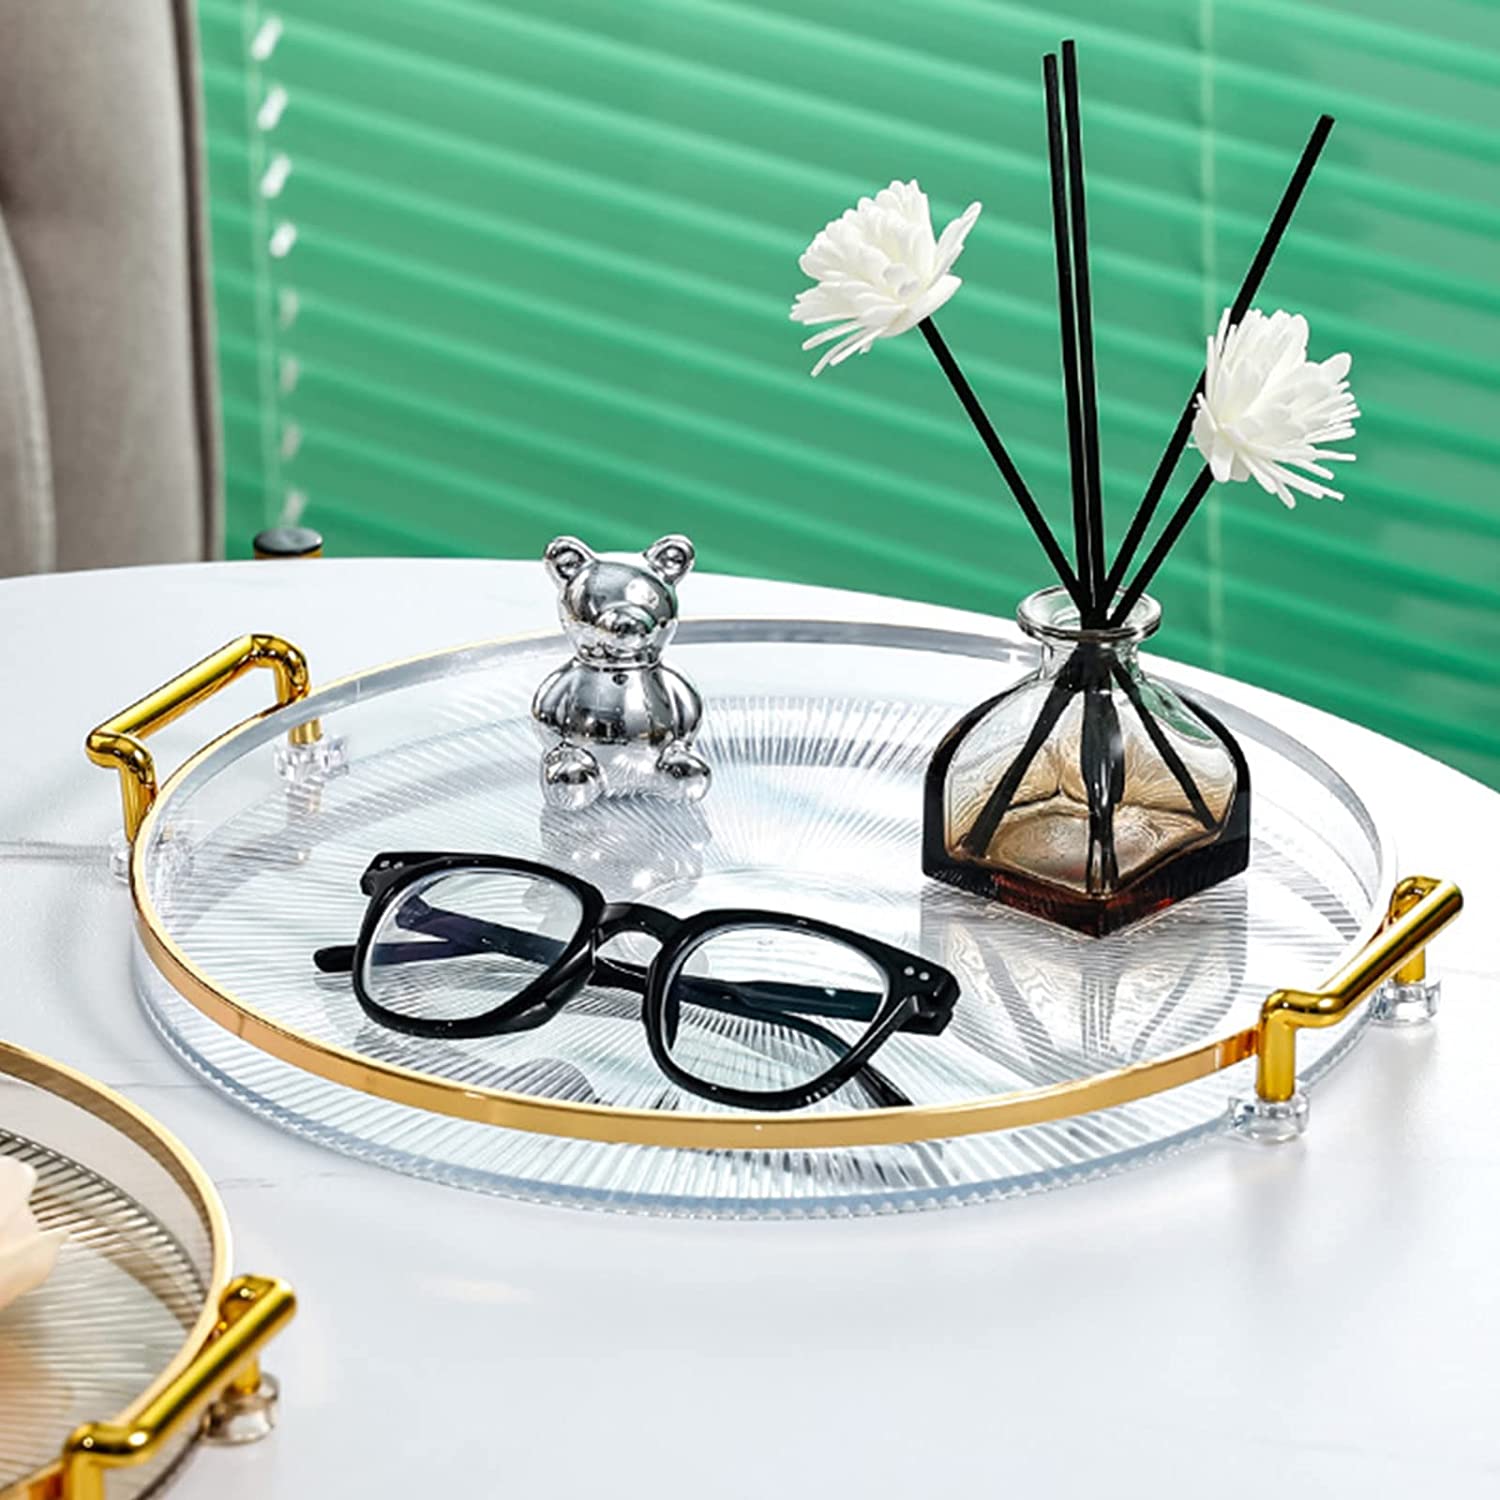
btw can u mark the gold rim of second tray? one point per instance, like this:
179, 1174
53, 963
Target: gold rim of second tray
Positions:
219, 1350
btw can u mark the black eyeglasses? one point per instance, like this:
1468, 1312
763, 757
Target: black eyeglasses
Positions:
757, 1009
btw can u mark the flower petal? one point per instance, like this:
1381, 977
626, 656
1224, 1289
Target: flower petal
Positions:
879, 271
855, 343
951, 245
1265, 408
828, 334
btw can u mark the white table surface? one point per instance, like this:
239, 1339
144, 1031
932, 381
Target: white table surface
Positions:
1315, 1319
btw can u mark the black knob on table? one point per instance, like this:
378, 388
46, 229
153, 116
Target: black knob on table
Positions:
278, 542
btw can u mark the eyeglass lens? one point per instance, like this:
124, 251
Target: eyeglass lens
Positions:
455, 945
762, 1009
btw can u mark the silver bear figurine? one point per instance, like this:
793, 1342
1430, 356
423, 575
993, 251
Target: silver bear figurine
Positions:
615, 720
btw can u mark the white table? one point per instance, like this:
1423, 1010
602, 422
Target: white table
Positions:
1316, 1319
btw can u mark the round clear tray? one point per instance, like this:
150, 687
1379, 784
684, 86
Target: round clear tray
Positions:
818, 734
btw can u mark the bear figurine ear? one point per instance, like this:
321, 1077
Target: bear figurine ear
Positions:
566, 557
671, 557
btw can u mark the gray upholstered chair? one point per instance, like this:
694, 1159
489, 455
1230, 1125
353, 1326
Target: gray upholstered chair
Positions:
109, 448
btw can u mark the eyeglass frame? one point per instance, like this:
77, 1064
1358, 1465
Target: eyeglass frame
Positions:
919, 995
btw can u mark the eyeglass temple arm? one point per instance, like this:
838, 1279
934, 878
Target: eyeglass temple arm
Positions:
454, 935
339, 958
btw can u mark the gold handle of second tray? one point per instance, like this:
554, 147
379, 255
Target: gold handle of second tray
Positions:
1420, 908
252, 1310
116, 744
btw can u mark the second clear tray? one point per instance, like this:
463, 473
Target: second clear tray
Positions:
138, 1344
819, 735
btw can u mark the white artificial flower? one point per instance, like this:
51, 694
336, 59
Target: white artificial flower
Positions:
27, 1253
879, 271
1266, 405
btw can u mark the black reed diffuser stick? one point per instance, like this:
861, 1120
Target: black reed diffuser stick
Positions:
1068, 328
1101, 746
1164, 746
1003, 461
1164, 544
1238, 308
1083, 309
977, 837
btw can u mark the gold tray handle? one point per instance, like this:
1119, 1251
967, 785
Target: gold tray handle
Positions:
1420, 908
252, 1310
116, 744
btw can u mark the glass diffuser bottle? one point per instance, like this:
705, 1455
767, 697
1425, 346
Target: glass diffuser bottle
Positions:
1089, 794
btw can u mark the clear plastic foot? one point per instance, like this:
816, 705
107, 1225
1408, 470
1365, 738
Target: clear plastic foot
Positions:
119, 857
1267, 1121
1406, 1004
174, 850
243, 1416
312, 765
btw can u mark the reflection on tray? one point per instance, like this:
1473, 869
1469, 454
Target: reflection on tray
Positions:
589, 843
1050, 1006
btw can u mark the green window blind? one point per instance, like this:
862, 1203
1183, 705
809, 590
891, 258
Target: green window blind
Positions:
491, 269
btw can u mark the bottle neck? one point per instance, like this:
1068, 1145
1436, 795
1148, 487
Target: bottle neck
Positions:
1102, 656
1051, 619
